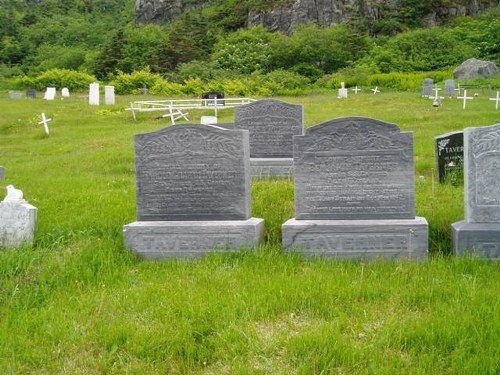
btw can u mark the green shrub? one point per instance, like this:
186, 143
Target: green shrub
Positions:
58, 78
163, 87
130, 83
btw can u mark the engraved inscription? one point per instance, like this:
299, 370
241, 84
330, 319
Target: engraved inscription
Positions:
487, 186
192, 172
489, 250
272, 125
390, 242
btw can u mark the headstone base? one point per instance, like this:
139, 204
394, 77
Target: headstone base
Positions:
17, 224
271, 167
352, 239
482, 239
190, 239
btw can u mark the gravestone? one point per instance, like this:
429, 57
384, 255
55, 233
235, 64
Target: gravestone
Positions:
65, 92
109, 95
143, 91
449, 88
355, 192
50, 93
193, 193
15, 95
2, 173
427, 87
449, 151
479, 233
17, 220
342, 91
94, 94
213, 98
272, 125
31, 94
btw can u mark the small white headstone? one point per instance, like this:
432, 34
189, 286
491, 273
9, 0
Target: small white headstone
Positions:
109, 95
65, 92
50, 93
94, 94
208, 120
342, 91
17, 219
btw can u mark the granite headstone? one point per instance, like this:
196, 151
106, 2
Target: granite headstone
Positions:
427, 87
354, 192
2, 173
449, 88
449, 152
31, 94
193, 192
479, 233
272, 125
18, 220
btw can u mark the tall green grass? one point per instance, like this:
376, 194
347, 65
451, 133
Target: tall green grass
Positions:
77, 302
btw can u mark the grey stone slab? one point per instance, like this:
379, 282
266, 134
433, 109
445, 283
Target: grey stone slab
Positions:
353, 239
2, 173
449, 88
271, 167
17, 224
481, 239
482, 174
449, 151
193, 172
272, 125
174, 239
354, 168
427, 86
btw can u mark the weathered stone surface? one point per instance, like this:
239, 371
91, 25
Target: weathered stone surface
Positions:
2, 173
482, 174
17, 223
272, 125
480, 239
427, 86
367, 239
354, 168
449, 151
474, 68
193, 172
173, 239
271, 167
449, 88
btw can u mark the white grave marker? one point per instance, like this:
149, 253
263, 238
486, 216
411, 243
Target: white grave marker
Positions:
94, 94
45, 122
436, 93
109, 95
65, 92
50, 93
375, 90
356, 89
465, 98
497, 99
342, 91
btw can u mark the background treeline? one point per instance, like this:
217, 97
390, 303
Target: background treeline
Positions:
44, 41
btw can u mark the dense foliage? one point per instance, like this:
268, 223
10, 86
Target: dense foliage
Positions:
100, 38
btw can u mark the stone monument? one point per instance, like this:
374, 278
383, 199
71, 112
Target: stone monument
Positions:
65, 92
342, 91
50, 93
479, 233
109, 95
31, 94
94, 94
2, 173
449, 88
17, 220
355, 192
193, 193
427, 87
449, 152
272, 125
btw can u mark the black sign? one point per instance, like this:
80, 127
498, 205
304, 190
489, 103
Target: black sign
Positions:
450, 155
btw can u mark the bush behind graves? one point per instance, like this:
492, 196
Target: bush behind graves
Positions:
58, 78
128, 83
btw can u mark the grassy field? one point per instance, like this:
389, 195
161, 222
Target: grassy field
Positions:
78, 303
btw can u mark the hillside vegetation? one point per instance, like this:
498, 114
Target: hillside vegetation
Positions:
100, 37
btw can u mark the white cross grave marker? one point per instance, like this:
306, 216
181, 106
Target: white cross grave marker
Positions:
436, 93
465, 98
356, 89
375, 90
497, 99
45, 122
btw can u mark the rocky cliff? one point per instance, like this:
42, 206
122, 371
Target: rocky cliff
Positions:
291, 13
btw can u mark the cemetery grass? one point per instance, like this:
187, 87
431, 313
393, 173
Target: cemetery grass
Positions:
77, 302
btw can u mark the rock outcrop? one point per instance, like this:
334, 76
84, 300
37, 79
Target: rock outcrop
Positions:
287, 16
474, 68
